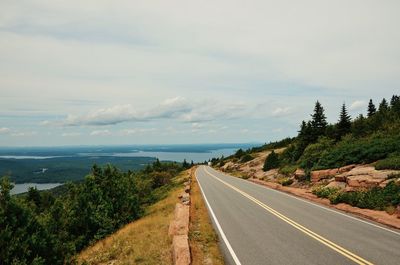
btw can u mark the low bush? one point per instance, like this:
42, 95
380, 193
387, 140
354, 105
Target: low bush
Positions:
326, 192
376, 198
246, 158
357, 151
313, 152
245, 176
285, 181
287, 170
392, 162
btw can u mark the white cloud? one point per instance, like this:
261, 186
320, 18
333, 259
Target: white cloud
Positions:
281, 111
100, 133
4, 130
358, 105
128, 132
178, 109
71, 134
24, 134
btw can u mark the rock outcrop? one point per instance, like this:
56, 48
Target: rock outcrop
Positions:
300, 174
318, 175
365, 177
355, 176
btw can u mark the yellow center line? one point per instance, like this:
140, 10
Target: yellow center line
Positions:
319, 238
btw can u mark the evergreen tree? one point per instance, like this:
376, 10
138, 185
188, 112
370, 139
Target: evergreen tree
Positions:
359, 127
239, 153
383, 106
318, 122
272, 161
395, 105
185, 164
344, 124
371, 108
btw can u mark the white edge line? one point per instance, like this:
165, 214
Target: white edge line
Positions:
319, 206
226, 241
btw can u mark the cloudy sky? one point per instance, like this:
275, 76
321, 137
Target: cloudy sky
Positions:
141, 72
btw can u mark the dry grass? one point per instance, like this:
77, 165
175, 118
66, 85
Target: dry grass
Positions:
144, 241
202, 238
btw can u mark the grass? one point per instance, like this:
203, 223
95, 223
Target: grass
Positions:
144, 241
202, 238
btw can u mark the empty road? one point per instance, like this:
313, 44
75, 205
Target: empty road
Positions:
258, 225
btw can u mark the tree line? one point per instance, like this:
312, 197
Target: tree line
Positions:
363, 139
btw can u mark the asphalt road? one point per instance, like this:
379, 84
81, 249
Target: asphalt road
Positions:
258, 225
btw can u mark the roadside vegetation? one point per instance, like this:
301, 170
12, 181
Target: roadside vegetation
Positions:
376, 198
39, 228
144, 241
374, 138
202, 238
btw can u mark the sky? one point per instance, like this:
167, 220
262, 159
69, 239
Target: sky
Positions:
182, 71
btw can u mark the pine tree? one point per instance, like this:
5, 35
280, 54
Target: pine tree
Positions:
383, 106
344, 123
359, 127
185, 164
395, 105
318, 122
371, 108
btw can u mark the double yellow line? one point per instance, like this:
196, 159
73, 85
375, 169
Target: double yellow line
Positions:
321, 239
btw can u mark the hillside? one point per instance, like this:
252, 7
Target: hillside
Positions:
41, 228
147, 240
354, 161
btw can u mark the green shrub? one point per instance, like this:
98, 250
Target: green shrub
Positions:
288, 170
326, 192
376, 198
364, 150
286, 181
245, 176
272, 161
392, 162
313, 152
246, 158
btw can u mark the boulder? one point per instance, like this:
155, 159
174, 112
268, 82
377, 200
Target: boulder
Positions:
185, 198
353, 182
299, 174
364, 181
187, 188
340, 178
318, 175
336, 184
180, 250
365, 176
384, 183
373, 182
180, 224
346, 168
271, 174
